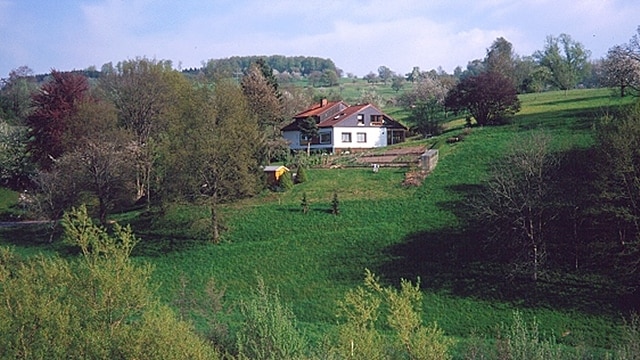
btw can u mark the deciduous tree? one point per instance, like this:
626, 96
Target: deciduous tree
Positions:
140, 92
308, 130
489, 97
517, 204
15, 95
621, 70
566, 59
55, 102
213, 154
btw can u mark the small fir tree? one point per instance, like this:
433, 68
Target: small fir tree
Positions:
302, 175
286, 181
335, 204
304, 204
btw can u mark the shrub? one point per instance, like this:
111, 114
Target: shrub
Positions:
269, 330
302, 175
286, 181
359, 338
304, 203
522, 341
98, 307
335, 204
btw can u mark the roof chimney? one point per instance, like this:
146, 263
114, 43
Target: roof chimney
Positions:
323, 102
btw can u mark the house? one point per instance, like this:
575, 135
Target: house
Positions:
274, 172
345, 128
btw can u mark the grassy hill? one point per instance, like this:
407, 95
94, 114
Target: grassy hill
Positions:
397, 232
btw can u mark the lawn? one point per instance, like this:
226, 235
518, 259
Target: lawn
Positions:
397, 232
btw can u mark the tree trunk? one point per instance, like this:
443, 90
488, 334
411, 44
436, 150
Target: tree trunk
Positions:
215, 231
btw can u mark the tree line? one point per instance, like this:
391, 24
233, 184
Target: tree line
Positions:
142, 133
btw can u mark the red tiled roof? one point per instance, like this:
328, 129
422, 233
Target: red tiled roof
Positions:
344, 114
316, 110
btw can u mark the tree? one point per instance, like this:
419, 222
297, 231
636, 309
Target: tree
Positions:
54, 104
286, 181
329, 77
315, 77
103, 155
414, 75
335, 204
517, 204
426, 117
140, 92
308, 130
566, 59
265, 103
489, 97
301, 176
621, 70
16, 168
619, 184
500, 59
429, 88
212, 155
385, 74
397, 83
371, 77
15, 95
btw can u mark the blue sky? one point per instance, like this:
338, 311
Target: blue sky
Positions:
358, 35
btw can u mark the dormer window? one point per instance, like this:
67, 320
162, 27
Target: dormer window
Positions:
360, 119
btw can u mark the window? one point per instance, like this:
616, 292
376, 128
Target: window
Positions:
360, 119
325, 138
361, 137
304, 140
346, 137
376, 120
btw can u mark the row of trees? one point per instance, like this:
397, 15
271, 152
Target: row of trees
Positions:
293, 65
143, 132
487, 89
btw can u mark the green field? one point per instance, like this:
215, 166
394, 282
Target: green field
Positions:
397, 232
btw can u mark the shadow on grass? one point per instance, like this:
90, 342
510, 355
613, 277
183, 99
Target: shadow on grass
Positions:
159, 235
459, 262
36, 237
572, 119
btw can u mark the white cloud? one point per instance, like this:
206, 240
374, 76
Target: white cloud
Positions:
358, 35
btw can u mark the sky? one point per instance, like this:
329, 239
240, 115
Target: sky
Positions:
358, 35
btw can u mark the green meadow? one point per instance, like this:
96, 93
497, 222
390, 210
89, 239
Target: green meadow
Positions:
397, 232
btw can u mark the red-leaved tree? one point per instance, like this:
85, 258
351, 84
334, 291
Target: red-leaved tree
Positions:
55, 102
489, 97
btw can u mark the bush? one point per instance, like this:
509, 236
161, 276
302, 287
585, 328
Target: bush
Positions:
269, 330
359, 338
302, 175
286, 181
98, 307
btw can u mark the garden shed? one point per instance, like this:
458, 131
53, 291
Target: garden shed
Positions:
274, 172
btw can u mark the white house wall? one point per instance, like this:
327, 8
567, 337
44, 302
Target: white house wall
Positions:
376, 137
